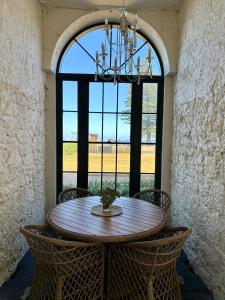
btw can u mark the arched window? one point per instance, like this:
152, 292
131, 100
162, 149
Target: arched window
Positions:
108, 135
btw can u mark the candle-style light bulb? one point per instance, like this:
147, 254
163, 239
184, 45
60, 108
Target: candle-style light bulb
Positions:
138, 63
135, 20
130, 65
135, 40
149, 53
131, 48
103, 48
106, 21
150, 69
97, 61
115, 63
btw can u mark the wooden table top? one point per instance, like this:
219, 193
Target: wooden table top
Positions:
74, 219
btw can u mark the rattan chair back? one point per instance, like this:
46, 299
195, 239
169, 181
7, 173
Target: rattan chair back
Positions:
64, 269
155, 196
73, 194
147, 269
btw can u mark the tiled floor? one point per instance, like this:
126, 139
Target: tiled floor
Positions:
18, 287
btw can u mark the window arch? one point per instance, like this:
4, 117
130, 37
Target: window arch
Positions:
83, 47
107, 135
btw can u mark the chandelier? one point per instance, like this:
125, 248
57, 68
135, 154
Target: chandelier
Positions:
122, 45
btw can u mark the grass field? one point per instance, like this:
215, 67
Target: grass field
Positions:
109, 160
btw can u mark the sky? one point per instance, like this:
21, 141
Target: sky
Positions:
75, 60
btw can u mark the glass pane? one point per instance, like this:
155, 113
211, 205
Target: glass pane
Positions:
149, 98
94, 158
148, 128
109, 158
76, 60
123, 158
147, 159
123, 130
147, 181
122, 185
95, 127
110, 97
95, 97
94, 182
92, 39
69, 180
70, 157
108, 180
124, 97
109, 127
70, 95
70, 126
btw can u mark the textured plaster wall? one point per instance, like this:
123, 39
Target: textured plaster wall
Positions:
22, 127
55, 21
198, 162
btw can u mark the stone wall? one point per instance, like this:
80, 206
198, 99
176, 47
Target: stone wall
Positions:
198, 167
22, 127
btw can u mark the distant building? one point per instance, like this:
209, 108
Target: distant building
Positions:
93, 137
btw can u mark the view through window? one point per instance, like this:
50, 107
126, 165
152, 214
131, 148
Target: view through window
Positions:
108, 135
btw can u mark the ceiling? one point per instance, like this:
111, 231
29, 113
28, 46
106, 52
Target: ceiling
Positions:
101, 4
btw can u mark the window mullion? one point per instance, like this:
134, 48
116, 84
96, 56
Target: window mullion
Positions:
82, 172
136, 125
59, 137
103, 103
159, 129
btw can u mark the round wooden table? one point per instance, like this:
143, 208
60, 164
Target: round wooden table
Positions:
74, 219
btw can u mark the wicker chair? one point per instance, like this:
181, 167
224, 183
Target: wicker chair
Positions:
73, 194
157, 197
65, 270
146, 270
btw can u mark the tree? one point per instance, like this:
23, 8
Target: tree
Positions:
149, 105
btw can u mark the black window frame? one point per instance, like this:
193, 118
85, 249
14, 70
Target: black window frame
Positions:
136, 115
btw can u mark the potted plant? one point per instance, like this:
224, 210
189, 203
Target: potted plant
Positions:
108, 196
